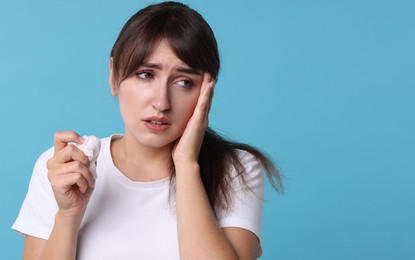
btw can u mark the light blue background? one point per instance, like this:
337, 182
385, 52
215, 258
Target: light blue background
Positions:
327, 88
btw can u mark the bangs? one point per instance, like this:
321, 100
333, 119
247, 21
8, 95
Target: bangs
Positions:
191, 40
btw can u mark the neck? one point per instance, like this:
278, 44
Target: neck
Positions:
139, 162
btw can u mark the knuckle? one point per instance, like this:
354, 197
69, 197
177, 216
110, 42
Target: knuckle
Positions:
77, 176
73, 166
54, 182
49, 163
56, 135
77, 165
66, 167
203, 106
71, 148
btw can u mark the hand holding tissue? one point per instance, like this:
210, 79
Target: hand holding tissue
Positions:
91, 148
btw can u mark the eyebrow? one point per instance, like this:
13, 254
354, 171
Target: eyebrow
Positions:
189, 71
151, 65
182, 69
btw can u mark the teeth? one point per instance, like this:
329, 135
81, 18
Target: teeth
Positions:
157, 123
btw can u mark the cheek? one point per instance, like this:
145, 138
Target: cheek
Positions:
131, 102
124, 107
125, 103
185, 107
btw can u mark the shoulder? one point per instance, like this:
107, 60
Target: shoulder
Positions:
107, 140
246, 158
247, 194
249, 162
45, 156
41, 162
248, 171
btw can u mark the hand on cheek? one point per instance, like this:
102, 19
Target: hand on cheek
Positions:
187, 147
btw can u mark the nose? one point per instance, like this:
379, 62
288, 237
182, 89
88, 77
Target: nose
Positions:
161, 100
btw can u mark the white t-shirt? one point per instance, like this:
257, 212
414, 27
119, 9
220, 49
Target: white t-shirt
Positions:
132, 220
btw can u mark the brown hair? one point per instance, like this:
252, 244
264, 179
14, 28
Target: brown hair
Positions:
188, 34
193, 41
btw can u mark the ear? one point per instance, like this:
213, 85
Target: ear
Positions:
114, 91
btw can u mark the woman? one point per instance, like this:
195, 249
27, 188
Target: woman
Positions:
169, 187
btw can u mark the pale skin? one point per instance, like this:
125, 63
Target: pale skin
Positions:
199, 235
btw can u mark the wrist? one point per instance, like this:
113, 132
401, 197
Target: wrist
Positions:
68, 220
187, 167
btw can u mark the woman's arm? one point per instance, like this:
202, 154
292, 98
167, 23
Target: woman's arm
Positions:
72, 185
33, 247
200, 236
60, 245
245, 243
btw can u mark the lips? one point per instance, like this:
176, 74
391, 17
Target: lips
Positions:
157, 124
158, 120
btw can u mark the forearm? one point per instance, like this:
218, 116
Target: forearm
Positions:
62, 242
200, 237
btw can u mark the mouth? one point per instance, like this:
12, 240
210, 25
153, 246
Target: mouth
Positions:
156, 122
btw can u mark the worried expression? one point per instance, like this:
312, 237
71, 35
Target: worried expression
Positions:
157, 101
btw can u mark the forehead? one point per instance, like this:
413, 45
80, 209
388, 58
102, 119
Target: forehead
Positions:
163, 54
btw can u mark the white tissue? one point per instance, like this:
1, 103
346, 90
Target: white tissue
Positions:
91, 148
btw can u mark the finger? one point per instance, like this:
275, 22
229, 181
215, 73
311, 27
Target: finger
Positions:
62, 138
204, 96
72, 153
67, 154
76, 167
212, 92
65, 182
70, 168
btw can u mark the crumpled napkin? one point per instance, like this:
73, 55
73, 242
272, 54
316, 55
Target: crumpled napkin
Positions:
91, 148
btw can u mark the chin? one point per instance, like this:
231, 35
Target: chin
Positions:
157, 142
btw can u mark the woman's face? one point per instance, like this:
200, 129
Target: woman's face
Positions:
158, 100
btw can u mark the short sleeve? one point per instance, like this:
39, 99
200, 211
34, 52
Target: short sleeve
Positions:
37, 214
248, 197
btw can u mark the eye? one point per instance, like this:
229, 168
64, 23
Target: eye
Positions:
144, 74
185, 83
